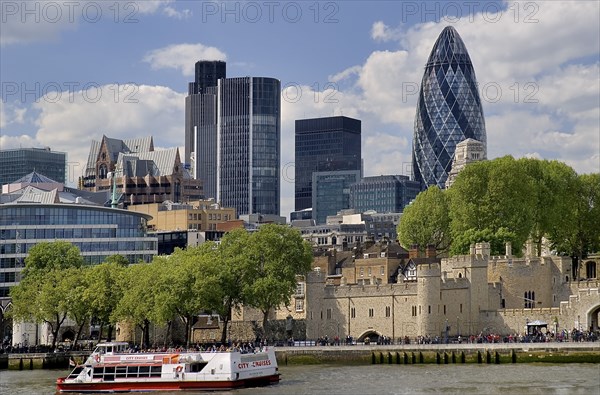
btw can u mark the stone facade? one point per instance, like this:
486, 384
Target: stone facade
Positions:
463, 295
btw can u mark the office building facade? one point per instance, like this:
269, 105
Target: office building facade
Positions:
331, 192
16, 163
324, 144
233, 134
201, 124
448, 110
383, 194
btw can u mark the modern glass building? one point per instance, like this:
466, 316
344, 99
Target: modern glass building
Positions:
248, 144
97, 231
448, 110
324, 144
331, 192
201, 124
232, 138
16, 163
383, 194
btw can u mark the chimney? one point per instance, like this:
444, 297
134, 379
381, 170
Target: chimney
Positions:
508, 249
414, 251
430, 252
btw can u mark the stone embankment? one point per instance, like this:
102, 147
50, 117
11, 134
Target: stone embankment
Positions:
487, 353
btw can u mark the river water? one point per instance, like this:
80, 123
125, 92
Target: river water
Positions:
567, 379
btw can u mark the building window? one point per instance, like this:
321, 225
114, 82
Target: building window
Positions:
371, 313
362, 271
299, 289
444, 309
461, 307
369, 272
388, 311
382, 271
414, 311
328, 314
529, 299
429, 309
352, 312
419, 309
299, 304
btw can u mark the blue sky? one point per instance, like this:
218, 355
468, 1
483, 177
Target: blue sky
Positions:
72, 71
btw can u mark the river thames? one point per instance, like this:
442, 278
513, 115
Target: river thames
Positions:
511, 379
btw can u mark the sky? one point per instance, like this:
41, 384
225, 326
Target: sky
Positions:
72, 71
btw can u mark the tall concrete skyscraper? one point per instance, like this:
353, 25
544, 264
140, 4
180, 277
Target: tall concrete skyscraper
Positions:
448, 110
324, 144
233, 136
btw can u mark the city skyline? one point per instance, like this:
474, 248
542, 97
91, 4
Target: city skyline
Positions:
536, 63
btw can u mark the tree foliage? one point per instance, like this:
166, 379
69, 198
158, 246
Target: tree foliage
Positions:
425, 221
46, 290
277, 255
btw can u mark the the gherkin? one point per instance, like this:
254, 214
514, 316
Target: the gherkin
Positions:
448, 110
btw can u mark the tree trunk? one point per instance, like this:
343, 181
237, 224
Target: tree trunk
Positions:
78, 334
146, 334
224, 330
110, 333
265, 322
100, 331
188, 325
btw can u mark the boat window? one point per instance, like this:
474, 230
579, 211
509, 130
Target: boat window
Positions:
198, 366
121, 372
76, 372
155, 371
98, 372
132, 371
144, 371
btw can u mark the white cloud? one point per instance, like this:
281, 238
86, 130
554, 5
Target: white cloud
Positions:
136, 111
182, 57
381, 32
173, 13
345, 74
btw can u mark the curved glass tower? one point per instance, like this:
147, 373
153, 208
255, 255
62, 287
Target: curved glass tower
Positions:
448, 110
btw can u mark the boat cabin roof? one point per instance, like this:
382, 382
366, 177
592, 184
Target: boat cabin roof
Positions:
111, 347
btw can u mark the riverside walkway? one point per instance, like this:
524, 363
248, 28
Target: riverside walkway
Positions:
553, 352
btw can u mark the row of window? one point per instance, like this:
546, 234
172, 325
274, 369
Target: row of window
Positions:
86, 246
388, 311
109, 372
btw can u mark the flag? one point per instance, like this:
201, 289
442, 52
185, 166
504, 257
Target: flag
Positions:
72, 362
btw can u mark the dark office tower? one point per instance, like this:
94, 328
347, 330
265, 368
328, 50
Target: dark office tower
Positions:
17, 163
448, 110
324, 144
201, 124
248, 144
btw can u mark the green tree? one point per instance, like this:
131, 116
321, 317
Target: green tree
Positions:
137, 304
104, 291
278, 254
554, 184
425, 221
46, 287
180, 290
79, 304
225, 275
494, 195
579, 235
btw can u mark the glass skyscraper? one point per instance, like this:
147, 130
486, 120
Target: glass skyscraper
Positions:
448, 110
324, 144
384, 194
201, 124
331, 192
248, 144
16, 163
232, 138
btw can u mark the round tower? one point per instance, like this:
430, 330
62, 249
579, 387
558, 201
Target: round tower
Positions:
428, 299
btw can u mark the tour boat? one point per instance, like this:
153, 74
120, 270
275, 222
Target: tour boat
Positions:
112, 367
